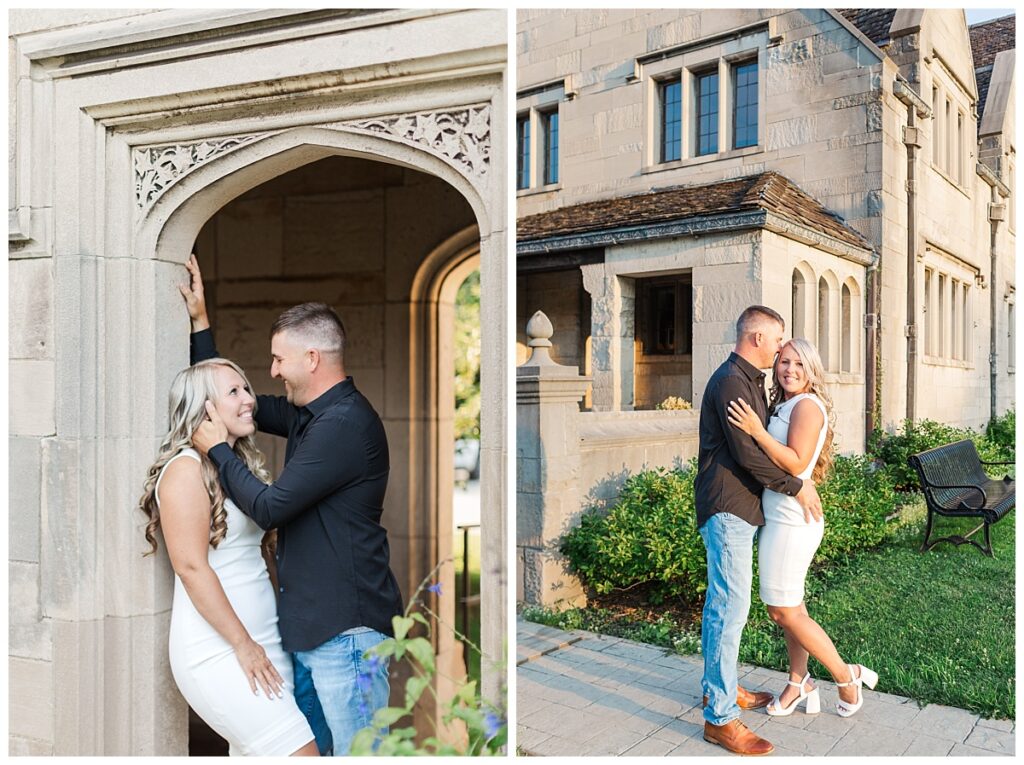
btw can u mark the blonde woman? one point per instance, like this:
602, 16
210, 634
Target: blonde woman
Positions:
798, 439
225, 648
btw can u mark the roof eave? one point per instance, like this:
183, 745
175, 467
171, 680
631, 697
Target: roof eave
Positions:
791, 229
698, 226
689, 226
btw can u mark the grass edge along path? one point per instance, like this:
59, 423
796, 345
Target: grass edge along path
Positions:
938, 627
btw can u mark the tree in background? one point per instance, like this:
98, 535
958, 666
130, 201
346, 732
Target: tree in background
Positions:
467, 359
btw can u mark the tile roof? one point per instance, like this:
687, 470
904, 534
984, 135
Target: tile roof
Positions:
767, 191
987, 39
873, 22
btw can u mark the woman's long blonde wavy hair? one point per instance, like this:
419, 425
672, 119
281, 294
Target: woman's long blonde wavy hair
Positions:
188, 395
815, 372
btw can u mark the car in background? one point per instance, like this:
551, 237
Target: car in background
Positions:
467, 459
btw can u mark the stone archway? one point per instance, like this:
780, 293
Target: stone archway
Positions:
432, 304
416, 408
129, 129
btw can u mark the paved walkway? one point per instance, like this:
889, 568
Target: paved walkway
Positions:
579, 693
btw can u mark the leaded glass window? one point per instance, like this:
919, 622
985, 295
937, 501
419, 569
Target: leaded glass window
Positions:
671, 120
707, 113
745, 105
523, 152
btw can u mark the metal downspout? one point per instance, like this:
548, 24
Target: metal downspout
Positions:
910, 138
996, 213
993, 306
916, 107
871, 350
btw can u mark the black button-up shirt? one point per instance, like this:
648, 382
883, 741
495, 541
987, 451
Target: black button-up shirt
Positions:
332, 552
731, 468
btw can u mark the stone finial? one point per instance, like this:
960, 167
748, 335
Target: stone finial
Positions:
539, 331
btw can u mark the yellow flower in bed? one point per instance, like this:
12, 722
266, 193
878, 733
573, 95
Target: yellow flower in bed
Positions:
674, 403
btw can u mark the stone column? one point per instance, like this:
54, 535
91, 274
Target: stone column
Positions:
548, 469
612, 330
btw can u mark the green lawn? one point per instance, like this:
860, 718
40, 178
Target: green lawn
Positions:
938, 627
472, 631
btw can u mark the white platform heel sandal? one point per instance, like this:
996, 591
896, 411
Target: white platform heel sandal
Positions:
866, 677
811, 699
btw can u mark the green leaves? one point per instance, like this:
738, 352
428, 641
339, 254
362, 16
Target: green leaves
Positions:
402, 625
423, 651
388, 716
649, 535
414, 688
467, 358
485, 724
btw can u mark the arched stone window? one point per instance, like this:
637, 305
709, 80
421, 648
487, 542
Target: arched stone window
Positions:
828, 322
802, 308
851, 320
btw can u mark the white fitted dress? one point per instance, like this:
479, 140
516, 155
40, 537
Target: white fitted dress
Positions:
204, 665
786, 543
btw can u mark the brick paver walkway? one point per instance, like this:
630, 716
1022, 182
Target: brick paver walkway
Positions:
584, 694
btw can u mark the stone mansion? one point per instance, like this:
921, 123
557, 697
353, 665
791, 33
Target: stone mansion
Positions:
853, 169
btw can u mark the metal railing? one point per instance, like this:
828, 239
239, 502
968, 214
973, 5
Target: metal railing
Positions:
467, 600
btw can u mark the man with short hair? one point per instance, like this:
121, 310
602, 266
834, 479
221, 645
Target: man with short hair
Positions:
337, 594
731, 473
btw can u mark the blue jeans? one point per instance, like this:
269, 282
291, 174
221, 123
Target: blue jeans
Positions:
338, 690
729, 542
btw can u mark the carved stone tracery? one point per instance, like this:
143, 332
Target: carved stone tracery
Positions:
159, 167
462, 137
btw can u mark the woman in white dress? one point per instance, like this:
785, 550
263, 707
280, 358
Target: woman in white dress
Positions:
798, 439
225, 648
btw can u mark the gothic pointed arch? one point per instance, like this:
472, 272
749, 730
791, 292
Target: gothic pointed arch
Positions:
169, 220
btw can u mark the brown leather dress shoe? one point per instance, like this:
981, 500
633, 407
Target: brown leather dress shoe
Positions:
737, 738
748, 699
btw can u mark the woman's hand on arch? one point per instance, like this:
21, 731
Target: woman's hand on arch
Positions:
195, 295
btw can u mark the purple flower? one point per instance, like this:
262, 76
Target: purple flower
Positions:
492, 724
435, 588
363, 682
372, 664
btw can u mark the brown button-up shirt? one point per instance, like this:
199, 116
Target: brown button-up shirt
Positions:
731, 468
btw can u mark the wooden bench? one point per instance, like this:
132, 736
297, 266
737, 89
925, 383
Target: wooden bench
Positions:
955, 485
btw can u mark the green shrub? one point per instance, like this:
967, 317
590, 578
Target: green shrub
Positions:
996, 444
1002, 434
894, 449
857, 498
649, 536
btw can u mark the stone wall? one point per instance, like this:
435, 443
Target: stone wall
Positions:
616, 445
820, 104
30, 444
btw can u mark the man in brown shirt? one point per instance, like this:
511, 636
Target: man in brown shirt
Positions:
732, 471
